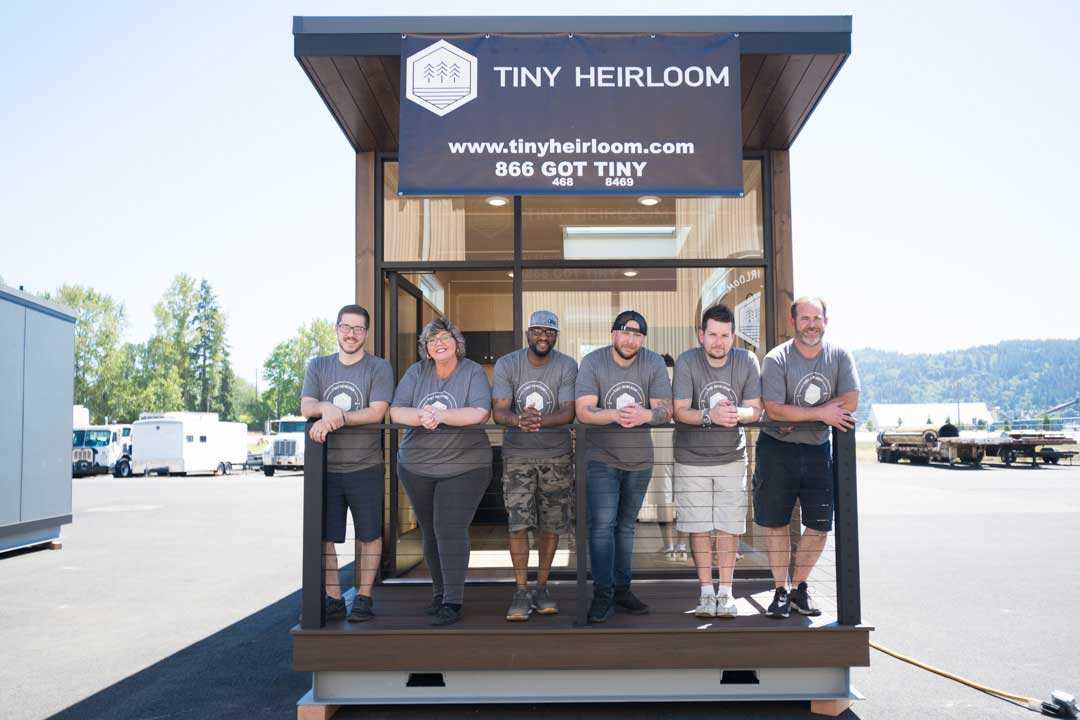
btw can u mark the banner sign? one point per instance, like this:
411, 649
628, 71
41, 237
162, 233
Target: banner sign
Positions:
569, 115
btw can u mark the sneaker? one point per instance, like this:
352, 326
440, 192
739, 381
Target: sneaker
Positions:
671, 555
802, 602
706, 607
334, 609
520, 606
725, 606
601, 610
446, 615
629, 602
436, 603
542, 602
361, 609
681, 553
780, 607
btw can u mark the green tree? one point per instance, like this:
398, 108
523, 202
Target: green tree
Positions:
284, 369
175, 330
207, 350
226, 403
98, 328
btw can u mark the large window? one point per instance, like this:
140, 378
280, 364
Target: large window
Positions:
671, 299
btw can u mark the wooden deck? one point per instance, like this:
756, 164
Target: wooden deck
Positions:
401, 639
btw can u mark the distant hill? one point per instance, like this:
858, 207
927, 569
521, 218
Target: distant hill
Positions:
1015, 377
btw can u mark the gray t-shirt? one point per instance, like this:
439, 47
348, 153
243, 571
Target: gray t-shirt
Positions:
703, 385
444, 451
545, 388
350, 387
792, 379
646, 379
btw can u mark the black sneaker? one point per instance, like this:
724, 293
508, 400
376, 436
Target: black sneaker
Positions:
629, 602
446, 615
802, 602
601, 610
436, 603
361, 609
780, 607
335, 608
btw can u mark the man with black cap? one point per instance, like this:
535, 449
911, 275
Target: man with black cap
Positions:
533, 388
620, 386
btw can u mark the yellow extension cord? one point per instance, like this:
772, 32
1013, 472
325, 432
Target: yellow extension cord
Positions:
993, 691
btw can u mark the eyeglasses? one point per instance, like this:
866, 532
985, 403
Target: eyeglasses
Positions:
543, 332
351, 329
444, 339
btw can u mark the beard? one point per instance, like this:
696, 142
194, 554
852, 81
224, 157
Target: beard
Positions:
623, 355
810, 340
718, 355
341, 346
541, 353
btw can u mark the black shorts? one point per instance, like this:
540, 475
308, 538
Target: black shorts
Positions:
786, 471
360, 491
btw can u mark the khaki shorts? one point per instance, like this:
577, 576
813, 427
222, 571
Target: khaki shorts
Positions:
539, 493
711, 497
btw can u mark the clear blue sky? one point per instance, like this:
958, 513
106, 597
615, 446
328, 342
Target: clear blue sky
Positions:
933, 189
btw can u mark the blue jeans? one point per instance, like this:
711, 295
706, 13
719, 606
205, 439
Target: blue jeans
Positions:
615, 497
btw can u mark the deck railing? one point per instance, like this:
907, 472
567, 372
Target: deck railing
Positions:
844, 540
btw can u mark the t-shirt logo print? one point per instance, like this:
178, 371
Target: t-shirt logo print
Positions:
440, 400
714, 392
535, 394
812, 389
346, 396
622, 394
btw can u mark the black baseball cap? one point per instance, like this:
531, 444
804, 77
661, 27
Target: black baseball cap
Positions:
626, 316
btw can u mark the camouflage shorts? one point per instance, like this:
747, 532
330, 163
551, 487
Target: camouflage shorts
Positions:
539, 493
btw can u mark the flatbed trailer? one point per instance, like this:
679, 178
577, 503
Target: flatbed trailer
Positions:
945, 446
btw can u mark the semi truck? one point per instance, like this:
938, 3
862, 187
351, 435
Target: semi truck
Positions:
944, 445
99, 449
286, 449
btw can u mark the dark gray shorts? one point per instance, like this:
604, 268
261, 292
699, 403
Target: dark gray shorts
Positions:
360, 491
786, 471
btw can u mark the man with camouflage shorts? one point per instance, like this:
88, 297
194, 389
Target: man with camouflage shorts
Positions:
533, 388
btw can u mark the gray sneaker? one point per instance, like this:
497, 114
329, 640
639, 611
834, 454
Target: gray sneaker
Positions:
520, 607
542, 602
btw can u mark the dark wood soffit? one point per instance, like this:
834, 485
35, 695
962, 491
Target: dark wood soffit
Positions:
778, 94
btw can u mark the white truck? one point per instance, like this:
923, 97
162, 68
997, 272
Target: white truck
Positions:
100, 449
286, 449
185, 443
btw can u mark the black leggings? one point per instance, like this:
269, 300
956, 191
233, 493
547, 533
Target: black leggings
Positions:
445, 507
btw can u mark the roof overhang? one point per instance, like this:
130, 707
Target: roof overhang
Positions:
788, 62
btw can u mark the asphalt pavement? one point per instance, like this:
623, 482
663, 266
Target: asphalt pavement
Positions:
173, 597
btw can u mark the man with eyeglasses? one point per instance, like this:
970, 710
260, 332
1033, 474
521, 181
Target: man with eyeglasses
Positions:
350, 387
621, 386
533, 388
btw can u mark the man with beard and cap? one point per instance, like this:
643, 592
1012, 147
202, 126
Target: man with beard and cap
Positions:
804, 380
620, 387
533, 388
717, 389
350, 387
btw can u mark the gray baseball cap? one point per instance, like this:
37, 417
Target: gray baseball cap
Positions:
544, 319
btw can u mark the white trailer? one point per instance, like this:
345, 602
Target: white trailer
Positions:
185, 443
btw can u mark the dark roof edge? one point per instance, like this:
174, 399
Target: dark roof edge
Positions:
34, 302
572, 23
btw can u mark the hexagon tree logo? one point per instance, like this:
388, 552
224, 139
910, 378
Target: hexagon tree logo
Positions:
440, 78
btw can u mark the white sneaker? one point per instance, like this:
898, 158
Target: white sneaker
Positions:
682, 553
725, 606
706, 606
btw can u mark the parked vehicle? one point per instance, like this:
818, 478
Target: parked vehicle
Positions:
944, 445
99, 449
185, 443
286, 449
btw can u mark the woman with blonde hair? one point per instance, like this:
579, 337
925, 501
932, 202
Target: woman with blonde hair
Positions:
444, 468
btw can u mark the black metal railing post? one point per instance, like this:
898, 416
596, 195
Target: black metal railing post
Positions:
581, 524
312, 614
848, 597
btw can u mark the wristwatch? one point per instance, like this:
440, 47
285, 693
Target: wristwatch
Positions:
706, 420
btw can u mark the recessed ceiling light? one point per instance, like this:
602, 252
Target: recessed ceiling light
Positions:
510, 274
497, 200
630, 273
649, 200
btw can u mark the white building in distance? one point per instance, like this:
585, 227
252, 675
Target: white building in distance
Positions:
889, 416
